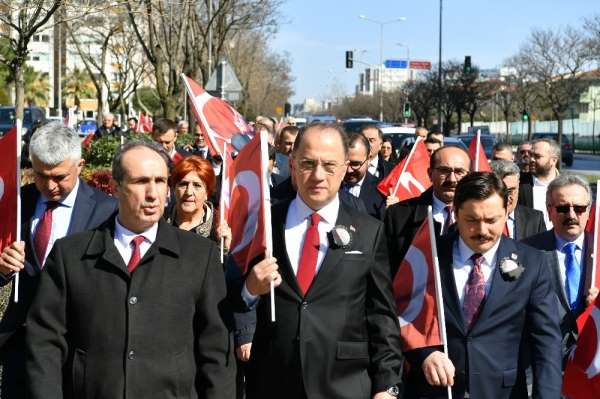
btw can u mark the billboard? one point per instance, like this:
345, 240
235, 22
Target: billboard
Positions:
420, 65
397, 64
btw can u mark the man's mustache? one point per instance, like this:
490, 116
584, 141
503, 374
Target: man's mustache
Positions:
570, 222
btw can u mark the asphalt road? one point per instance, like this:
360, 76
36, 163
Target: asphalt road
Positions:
586, 164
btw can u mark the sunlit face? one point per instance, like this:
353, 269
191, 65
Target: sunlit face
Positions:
166, 139
431, 147
143, 192
524, 156
573, 211
286, 143
199, 137
318, 167
357, 164
56, 182
480, 222
452, 164
183, 128
108, 121
512, 186
131, 124
386, 150
542, 161
502, 155
374, 141
190, 194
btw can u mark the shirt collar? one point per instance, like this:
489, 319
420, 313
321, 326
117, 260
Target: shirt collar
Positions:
358, 183
511, 215
438, 206
375, 161
464, 252
124, 235
69, 200
561, 242
328, 213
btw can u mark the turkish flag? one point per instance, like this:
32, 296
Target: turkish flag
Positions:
409, 178
8, 188
144, 124
249, 203
414, 291
581, 379
217, 119
87, 141
478, 158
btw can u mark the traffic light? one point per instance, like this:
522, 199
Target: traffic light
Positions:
407, 110
349, 59
525, 116
467, 66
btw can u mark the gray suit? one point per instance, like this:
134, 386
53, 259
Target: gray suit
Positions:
546, 241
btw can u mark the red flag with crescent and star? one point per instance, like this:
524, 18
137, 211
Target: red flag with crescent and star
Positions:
478, 158
249, 203
415, 295
8, 188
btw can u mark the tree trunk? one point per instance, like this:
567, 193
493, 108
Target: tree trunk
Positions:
19, 91
529, 132
559, 139
459, 120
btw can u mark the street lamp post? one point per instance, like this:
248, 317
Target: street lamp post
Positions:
380, 84
407, 59
440, 116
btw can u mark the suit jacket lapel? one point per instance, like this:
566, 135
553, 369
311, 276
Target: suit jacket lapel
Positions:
518, 228
452, 308
27, 210
82, 209
279, 214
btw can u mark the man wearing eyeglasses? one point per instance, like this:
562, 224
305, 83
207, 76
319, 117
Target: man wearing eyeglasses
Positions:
569, 248
448, 165
358, 181
336, 333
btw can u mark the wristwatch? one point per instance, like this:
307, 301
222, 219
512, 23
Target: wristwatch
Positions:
393, 391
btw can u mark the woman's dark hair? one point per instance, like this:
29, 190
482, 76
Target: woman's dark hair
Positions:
479, 186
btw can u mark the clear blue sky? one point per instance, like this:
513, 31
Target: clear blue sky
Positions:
317, 33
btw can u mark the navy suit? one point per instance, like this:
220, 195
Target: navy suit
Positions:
528, 222
91, 208
383, 167
517, 317
371, 197
546, 242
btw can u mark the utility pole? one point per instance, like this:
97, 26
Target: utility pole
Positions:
440, 115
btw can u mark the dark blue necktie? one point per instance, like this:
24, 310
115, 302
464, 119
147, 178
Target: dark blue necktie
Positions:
572, 273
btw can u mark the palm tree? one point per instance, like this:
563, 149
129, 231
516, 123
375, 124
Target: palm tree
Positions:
37, 87
77, 83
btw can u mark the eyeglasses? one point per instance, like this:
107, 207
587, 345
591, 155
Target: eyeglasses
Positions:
196, 186
356, 165
579, 209
446, 171
309, 165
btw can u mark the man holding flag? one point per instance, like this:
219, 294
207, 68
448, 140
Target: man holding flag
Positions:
498, 306
336, 332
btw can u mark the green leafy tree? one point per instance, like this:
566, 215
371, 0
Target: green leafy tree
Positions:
77, 84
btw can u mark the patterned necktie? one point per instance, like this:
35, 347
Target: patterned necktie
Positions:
135, 253
449, 219
572, 273
310, 252
43, 232
474, 292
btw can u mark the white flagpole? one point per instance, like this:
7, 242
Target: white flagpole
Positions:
18, 188
264, 162
596, 233
478, 143
408, 159
222, 199
439, 299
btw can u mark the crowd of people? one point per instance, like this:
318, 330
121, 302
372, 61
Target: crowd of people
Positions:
125, 296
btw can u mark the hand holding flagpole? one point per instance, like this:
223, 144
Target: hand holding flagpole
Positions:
18, 187
222, 199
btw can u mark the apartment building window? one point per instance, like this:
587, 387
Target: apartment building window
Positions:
45, 38
36, 38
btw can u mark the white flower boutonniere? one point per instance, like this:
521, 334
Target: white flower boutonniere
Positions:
510, 268
341, 237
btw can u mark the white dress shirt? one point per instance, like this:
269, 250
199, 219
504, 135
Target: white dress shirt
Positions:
539, 199
560, 243
462, 266
439, 211
373, 163
61, 217
510, 224
355, 189
296, 224
124, 236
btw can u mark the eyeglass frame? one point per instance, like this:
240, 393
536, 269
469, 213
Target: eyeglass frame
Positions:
446, 171
566, 208
311, 169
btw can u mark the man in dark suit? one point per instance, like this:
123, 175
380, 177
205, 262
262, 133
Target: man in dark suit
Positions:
360, 183
545, 155
164, 132
521, 222
108, 127
497, 306
199, 148
59, 203
336, 334
378, 166
134, 308
402, 220
569, 251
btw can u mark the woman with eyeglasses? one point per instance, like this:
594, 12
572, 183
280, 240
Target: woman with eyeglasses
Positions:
388, 152
193, 181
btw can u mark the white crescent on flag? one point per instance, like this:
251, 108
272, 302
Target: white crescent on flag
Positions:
416, 260
406, 179
1, 188
251, 183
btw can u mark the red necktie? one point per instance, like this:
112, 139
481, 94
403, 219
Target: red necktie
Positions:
309, 254
135, 255
43, 232
474, 292
505, 231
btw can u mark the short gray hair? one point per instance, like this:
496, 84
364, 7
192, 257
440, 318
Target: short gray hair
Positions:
118, 172
554, 148
54, 143
503, 168
108, 115
568, 180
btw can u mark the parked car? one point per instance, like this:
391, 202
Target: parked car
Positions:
487, 140
567, 147
355, 125
86, 126
31, 116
